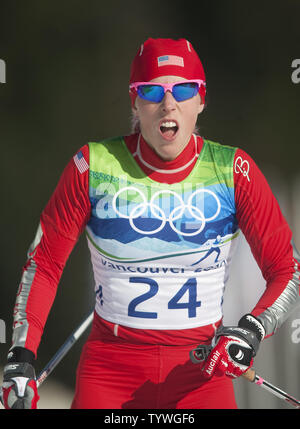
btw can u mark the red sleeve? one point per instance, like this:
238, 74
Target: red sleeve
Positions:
269, 237
61, 223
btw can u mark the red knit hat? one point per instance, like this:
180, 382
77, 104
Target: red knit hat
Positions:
166, 57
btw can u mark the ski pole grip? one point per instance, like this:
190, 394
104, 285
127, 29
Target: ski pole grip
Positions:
249, 375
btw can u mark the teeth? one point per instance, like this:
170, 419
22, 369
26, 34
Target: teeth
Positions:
169, 124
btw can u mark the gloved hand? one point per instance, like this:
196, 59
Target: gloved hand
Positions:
234, 348
19, 389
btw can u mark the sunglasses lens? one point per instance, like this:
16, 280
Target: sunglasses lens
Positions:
184, 91
153, 93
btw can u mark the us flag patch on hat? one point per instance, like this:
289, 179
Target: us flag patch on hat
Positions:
80, 162
170, 60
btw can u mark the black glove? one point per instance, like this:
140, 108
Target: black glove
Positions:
19, 389
250, 330
235, 347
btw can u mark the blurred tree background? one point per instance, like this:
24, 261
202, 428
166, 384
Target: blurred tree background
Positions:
67, 71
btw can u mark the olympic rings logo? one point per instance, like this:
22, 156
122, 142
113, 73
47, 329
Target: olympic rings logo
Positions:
158, 213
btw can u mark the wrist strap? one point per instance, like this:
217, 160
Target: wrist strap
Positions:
253, 324
20, 354
15, 369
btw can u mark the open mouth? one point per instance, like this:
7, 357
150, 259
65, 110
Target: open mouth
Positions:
168, 129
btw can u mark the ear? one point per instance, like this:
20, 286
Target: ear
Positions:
134, 109
201, 105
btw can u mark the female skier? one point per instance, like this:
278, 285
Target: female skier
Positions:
161, 209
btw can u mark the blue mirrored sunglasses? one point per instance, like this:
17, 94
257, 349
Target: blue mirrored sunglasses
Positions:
155, 92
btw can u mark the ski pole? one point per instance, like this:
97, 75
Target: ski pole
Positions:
251, 376
63, 350
201, 352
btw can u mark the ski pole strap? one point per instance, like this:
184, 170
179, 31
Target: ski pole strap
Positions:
200, 353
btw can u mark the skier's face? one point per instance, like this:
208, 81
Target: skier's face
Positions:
167, 126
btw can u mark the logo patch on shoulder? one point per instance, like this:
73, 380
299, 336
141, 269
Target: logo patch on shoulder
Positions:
80, 162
